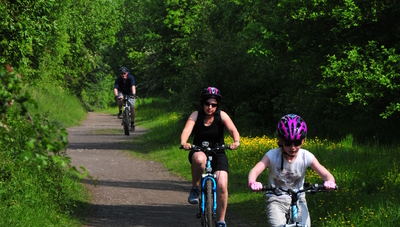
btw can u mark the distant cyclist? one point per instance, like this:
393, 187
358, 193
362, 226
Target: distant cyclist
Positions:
207, 124
125, 85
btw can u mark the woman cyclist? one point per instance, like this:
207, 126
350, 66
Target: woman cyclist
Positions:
208, 125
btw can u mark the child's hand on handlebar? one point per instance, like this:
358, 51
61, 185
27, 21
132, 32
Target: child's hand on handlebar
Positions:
330, 185
255, 186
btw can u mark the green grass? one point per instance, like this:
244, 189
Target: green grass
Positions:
367, 175
39, 197
34, 191
61, 108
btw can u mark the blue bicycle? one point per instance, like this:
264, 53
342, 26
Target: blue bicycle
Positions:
293, 218
208, 194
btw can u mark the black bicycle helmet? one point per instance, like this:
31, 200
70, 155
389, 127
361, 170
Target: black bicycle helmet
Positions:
123, 69
210, 92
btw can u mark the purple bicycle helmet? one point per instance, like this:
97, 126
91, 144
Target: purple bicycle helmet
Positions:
210, 92
292, 127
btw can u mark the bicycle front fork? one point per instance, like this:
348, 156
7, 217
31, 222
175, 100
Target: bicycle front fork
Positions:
294, 218
204, 179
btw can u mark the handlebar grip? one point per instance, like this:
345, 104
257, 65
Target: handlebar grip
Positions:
180, 147
266, 187
321, 187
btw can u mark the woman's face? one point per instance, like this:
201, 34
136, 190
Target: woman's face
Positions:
210, 106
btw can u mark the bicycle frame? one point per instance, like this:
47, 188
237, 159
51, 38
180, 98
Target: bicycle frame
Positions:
292, 216
204, 178
208, 176
126, 119
125, 102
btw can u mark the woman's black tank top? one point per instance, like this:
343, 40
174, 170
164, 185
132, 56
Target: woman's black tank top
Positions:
214, 133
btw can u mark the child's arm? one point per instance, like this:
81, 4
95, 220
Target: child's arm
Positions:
258, 168
322, 171
255, 172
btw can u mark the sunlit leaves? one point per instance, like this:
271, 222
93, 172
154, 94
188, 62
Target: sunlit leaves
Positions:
367, 74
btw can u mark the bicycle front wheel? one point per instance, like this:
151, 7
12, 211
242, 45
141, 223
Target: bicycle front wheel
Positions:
209, 204
126, 121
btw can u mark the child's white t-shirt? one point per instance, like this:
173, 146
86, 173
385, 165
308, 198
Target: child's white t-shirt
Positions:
293, 173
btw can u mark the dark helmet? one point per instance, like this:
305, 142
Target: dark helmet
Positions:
210, 92
123, 69
292, 127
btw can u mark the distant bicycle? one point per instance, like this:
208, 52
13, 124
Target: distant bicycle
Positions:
292, 215
126, 117
208, 194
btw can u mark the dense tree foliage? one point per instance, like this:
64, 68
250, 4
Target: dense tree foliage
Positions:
333, 62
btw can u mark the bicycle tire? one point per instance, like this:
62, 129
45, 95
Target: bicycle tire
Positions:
209, 204
200, 214
126, 121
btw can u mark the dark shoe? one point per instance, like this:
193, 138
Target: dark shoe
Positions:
120, 114
194, 196
221, 224
132, 128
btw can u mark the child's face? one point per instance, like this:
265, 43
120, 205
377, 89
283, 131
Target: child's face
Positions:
291, 147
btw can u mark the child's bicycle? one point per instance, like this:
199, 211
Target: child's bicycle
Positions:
292, 215
208, 194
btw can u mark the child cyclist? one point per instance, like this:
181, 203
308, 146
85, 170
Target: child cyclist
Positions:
287, 166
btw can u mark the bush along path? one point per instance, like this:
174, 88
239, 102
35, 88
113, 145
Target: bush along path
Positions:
129, 192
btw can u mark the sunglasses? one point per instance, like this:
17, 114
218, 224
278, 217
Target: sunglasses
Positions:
212, 104
289, 143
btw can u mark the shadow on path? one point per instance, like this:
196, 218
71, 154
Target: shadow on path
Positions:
142, 215
129, 191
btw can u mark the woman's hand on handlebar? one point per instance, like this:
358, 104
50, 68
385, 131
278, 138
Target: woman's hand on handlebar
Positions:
234, 145
186, 146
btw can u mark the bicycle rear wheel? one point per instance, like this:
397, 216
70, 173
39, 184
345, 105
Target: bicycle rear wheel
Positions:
126, 121
209, 204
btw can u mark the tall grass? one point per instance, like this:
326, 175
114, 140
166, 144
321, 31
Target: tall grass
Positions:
30, 200
62, 109
367, 174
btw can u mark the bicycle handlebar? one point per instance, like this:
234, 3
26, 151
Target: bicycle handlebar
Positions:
312, 188
206, 148
126, 97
